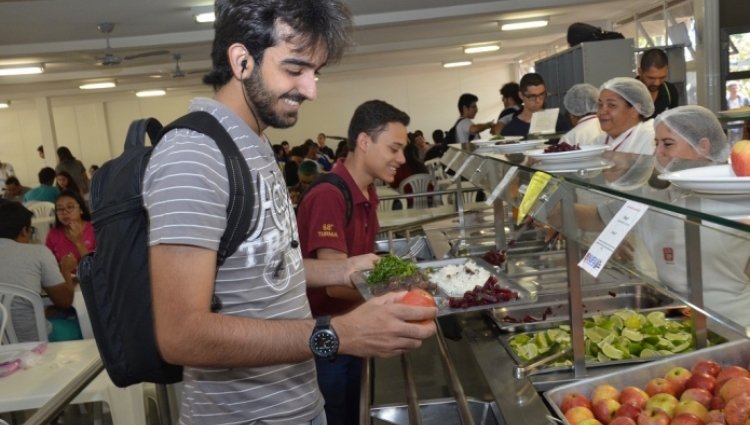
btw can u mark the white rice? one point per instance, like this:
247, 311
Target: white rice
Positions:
454, 280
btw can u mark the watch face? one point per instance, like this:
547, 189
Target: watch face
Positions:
325, 343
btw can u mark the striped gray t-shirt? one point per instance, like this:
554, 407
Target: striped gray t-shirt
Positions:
186, 194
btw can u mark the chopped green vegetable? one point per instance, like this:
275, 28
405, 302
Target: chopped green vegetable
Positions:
390, 266
497, 137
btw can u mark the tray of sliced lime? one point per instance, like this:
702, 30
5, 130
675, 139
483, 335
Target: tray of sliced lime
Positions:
626, 336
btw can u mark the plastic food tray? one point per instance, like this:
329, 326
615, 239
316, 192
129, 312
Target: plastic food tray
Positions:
526, 296
727, 354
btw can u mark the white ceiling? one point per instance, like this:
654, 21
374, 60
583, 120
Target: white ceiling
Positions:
63, 35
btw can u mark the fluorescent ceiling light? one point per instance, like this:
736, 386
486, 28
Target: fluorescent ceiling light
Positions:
481, 49
520, 25
456, 64
150, 93
93, 86
204, 14
4, 105
22, 70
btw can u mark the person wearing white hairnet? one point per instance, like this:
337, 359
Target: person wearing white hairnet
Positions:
690, 134
624, 107
582, 103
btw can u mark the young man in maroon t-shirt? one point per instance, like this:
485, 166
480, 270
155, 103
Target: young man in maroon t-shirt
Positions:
377, 137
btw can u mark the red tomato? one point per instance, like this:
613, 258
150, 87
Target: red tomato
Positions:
421, 298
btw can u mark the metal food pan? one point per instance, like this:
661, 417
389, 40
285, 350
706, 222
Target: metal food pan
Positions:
727, 354
605, 299
526, 296
672, 315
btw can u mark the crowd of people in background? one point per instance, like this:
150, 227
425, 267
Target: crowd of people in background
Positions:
51, 264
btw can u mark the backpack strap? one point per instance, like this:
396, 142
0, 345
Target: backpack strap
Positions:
340, 183
242, 216
242, 190
139, 128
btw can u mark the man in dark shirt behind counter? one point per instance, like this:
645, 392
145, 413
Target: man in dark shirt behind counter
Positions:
377, 137
653, 73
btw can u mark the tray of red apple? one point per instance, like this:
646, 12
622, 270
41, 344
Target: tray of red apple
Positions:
705, 387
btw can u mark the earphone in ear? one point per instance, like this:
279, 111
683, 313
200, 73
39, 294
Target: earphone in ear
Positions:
244, 65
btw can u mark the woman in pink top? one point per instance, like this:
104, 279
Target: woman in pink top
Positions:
73, 233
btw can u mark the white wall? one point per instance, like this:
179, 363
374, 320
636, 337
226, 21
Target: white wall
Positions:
94, 128
430, 97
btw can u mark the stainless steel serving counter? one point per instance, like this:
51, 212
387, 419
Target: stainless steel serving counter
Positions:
483, 367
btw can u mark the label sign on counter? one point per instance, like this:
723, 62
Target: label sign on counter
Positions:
502, 185
537, 184
611, 237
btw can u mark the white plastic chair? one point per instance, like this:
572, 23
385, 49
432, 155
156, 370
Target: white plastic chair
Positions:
42, 209
3, 321
436, 169
7, 294
419, 183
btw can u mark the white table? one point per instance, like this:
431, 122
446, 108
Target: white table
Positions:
402, 217
32, 388
385, 191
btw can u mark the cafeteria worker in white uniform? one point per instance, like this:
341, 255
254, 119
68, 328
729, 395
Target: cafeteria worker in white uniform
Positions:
624, 107
582, 102
693, 133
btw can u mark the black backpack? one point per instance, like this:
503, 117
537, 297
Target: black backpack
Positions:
580, 33
340, 183
450, 136
115, 278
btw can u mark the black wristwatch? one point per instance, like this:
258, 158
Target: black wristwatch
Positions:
324, 343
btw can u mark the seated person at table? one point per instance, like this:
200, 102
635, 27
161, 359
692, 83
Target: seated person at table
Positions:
307, 172
417, 138
466, 130
411, 166
66, 182
341, 150
624, 107
377, 136
582, 102
14, 191
34, 267
314, 155
296, 155
73, 233
533, 92
437, 151
688, 133
45, 192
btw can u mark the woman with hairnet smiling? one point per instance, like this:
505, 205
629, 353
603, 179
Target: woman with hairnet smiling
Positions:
689, 132
685, 137
624, 107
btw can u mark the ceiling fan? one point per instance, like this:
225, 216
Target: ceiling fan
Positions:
177, 72
109, 58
